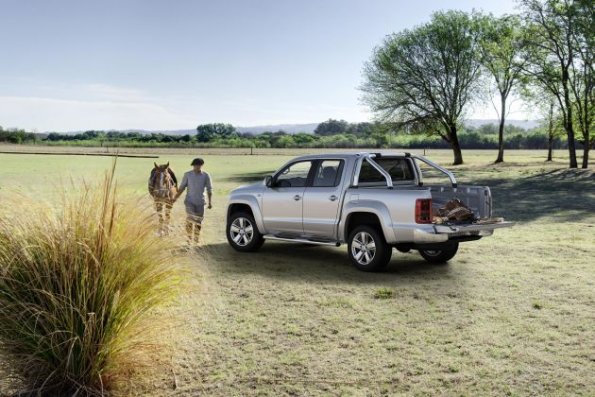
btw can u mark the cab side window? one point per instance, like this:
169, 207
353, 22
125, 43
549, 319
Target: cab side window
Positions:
294, 175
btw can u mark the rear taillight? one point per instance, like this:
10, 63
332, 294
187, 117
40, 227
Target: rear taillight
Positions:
423, 211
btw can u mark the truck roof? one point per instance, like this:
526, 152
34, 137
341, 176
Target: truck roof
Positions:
350, 155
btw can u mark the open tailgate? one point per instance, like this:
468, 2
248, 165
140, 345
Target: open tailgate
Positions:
470, 228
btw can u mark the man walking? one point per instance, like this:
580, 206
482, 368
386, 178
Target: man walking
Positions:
196, 181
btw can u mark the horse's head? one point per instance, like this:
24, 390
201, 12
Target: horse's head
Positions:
161, 182
162, 167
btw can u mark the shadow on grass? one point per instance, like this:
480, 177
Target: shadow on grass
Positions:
250, 177
561, 195
313, 263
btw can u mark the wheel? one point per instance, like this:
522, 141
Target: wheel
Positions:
441, 255
242, 232
367, 249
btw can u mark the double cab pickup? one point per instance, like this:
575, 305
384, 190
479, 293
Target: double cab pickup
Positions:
372, 202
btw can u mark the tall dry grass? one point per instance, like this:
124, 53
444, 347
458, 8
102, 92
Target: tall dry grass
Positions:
80, 285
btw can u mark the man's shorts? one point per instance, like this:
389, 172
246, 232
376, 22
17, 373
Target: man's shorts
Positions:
194, 212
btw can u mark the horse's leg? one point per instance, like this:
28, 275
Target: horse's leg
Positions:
167, 212
159, 209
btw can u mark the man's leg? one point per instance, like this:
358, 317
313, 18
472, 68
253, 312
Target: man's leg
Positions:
199, 215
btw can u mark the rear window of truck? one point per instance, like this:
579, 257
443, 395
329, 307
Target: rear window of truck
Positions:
397, 167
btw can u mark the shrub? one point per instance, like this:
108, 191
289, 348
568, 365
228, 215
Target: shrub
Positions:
79, 286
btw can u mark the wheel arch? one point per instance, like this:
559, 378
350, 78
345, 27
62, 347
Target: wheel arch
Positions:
369, 213
248, 204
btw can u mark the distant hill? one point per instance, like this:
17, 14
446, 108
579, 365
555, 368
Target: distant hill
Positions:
310, 127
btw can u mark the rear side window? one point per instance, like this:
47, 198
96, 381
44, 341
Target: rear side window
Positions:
397, 167
328, 173
369, 174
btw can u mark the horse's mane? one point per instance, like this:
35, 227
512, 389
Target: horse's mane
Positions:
173, 176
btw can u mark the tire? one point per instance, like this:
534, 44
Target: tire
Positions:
375, 254
242, 233
442, 255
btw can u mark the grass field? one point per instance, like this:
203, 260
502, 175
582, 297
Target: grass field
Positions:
513, 314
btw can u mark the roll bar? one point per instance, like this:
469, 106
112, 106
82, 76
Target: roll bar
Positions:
450, 175
369, 157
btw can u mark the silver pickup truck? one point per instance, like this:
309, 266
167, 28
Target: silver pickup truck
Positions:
371, 201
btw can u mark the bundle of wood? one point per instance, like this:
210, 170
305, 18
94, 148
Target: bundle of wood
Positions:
454, 211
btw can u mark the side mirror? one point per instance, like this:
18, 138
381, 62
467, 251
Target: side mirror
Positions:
268, 181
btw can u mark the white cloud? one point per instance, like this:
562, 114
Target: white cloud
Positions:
50, 114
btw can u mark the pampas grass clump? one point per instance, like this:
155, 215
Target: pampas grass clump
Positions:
79, 288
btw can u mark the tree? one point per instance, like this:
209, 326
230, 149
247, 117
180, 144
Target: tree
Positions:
553, 55
500, 49
208, 132
424, 78
583, 73
331, 127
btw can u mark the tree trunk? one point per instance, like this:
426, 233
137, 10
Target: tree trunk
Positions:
550, 147
456, 147
571, 147
550, 133
586, 147
500, 157
568, 122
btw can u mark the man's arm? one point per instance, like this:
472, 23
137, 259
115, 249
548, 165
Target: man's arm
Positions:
181, 188
209, 189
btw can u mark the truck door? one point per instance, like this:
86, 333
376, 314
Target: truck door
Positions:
283, 200
322, 199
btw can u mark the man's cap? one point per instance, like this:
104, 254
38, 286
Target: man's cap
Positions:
197, 161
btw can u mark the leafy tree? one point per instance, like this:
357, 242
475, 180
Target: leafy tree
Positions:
424, 78
500, 50
208, 132
551, 53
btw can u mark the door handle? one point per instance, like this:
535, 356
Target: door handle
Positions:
332, 198
297, 197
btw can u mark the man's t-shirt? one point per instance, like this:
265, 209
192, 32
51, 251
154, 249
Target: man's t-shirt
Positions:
196, 184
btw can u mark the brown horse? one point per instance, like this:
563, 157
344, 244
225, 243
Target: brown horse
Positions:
163, 186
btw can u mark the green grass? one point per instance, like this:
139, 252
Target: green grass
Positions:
511, 314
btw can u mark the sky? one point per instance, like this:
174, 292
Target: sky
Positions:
165, 65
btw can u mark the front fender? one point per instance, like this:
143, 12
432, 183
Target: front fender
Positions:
254, 205
368, 206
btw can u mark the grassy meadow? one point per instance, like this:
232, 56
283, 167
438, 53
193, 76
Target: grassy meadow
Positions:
512, 314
